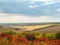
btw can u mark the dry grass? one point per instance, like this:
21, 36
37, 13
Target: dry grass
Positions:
30, 28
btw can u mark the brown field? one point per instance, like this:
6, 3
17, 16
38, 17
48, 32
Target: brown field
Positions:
32, 28
49, 29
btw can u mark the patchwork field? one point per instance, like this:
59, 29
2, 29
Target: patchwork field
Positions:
30, 28
47, 34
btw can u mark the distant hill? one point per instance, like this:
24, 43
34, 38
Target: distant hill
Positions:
41, 23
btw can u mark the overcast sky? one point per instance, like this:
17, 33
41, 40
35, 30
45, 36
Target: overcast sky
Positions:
29, 11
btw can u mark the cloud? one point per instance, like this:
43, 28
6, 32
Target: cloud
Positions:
45, 2
14, 0
33, 1
58, 9
30, 9
20, 18
1, 10
40, 0
33, 6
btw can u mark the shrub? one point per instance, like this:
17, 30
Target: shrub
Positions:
57, 35
30, 37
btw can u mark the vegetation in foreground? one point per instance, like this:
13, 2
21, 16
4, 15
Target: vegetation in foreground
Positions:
26, 38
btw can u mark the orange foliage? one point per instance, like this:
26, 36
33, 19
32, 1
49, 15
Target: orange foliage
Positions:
24, 40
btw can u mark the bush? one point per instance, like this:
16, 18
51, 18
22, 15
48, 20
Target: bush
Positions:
30, 37
9, 32
57, 35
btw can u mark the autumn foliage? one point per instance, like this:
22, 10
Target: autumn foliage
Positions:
29, 39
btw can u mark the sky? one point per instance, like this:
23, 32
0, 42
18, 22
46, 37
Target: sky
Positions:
29, 11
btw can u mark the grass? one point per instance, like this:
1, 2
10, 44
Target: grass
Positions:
30, 28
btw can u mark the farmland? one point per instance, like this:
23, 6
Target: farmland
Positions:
41, 34
30, 28
27, 27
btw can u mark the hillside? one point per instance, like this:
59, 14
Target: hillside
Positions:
49, 29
